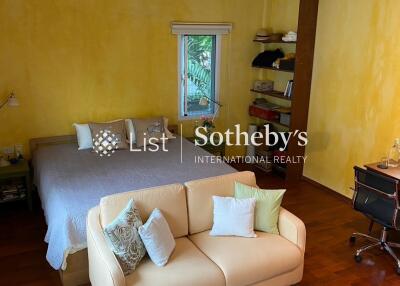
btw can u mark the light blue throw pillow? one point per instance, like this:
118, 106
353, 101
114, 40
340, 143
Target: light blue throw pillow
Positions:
157, 238
124, 240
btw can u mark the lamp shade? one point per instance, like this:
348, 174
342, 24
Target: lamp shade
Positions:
203, 101
13, 101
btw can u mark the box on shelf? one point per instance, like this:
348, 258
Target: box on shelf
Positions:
287, 64
263, 85
265, 153
262, 102
264, 164
285, 118
279, 158
262, 148
263, 113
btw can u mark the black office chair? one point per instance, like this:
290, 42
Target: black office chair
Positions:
376, 196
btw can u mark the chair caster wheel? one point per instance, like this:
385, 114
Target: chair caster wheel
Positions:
357, 258
398, 270
352, 239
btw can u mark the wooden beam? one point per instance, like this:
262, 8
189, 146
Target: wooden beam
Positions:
307, 24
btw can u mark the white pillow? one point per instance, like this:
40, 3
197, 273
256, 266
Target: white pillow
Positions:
157, 238
130, 129
84, 136
168, 133
233, 217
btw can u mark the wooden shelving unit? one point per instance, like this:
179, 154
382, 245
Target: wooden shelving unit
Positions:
277, 123
279, 168
266, 166
273, 42
302, 74
273, 121
272, 93
276, 94
274, 69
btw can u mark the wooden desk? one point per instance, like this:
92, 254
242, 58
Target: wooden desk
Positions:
393, 172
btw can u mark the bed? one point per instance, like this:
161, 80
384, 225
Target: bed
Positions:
70, 182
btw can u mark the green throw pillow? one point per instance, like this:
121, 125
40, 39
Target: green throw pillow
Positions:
268, 203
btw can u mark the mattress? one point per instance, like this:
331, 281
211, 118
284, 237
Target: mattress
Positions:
70, 182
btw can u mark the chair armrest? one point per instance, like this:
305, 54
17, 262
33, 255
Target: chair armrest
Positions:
104, 269
292, 228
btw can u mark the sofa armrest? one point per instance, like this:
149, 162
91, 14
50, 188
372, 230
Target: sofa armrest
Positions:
292, 228
104, 268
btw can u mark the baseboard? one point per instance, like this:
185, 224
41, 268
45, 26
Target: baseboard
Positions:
327, 190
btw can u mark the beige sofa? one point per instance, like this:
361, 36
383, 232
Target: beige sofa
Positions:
198, 259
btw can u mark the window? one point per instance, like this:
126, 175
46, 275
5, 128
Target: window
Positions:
198, 67
198, 74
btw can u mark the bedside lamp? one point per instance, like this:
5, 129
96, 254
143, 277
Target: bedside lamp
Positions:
205, 100
11, 101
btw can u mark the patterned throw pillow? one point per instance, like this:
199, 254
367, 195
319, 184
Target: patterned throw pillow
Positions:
124, 240
115, 128
148, 128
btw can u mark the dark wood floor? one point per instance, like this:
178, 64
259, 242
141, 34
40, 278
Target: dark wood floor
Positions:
329, 258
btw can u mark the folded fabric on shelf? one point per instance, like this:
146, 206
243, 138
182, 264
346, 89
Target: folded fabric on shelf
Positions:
290, 37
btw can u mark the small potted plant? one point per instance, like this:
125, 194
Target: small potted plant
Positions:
208, 124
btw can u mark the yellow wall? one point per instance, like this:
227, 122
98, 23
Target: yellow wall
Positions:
78, 61
355, 103
280, 16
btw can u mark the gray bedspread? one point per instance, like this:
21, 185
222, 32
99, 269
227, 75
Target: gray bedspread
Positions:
70, 182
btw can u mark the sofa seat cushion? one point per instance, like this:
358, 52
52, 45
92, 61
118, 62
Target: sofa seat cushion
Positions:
246, 261
186, 266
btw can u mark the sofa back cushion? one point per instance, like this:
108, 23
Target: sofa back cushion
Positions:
200, 192
170, 199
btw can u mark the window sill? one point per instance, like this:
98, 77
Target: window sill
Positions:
196, 117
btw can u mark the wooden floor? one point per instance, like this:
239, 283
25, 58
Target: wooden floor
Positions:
328, 261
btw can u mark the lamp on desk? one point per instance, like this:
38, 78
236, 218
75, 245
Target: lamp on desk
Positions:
11, 101
205, 100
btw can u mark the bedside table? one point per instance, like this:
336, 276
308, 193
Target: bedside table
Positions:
18, 170
215, 150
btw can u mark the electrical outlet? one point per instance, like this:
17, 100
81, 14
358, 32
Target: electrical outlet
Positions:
19, 149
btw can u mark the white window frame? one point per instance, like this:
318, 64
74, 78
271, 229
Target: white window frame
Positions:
182, 29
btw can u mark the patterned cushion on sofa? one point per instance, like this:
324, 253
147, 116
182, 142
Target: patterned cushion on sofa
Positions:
124, 240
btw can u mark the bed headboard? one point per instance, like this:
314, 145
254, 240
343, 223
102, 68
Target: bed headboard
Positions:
63, 139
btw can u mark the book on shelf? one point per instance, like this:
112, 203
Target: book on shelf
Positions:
10, 192
286, 89
289, 89
262, 102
